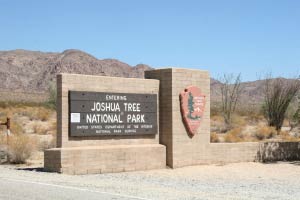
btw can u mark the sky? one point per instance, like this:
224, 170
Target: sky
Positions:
251, 37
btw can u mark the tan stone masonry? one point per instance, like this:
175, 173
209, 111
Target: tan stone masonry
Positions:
171, 146
183, 150
81, 155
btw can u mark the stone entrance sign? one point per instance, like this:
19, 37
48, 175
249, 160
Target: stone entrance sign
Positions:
106, 124
108, 114
112, 124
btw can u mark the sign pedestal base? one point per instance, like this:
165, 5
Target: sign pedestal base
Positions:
105, 159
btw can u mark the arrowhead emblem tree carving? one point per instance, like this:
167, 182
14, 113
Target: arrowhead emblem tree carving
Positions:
192, 104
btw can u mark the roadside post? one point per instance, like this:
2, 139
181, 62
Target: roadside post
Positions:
7, 124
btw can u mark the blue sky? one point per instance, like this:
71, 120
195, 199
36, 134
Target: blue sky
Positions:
251, 37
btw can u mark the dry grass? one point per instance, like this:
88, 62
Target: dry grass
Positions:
287, 137
238, 121
215, 109
3, 139
53, 127
265, 132
47, 144
42, 114
34, 112
217, 118
214, 138
20, 148
25, 118
39, 129
255, 119
286, 123
16, 127
248, 125
234, 135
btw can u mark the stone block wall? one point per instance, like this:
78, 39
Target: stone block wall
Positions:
105, 159
182, 150
165, 109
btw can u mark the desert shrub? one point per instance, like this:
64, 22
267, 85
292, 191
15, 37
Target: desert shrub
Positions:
234, 135
47, 144
3, 140
248, 109
39, 129
15, 127
231, 91
285, 136
52, 95
238, 121
217, 118
50, 142
293, 113
53, 127
279, 93
214, 138
38, 113
215, 109
265, 132
254, 119
217, 124
252, 113
43, 114
20, 148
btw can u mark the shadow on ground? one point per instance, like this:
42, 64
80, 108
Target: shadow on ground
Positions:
34, 169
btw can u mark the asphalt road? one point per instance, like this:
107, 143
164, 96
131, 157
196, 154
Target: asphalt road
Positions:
246, 181
14, 189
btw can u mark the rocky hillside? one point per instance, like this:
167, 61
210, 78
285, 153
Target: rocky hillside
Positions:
32, 71
25, 75
252, 92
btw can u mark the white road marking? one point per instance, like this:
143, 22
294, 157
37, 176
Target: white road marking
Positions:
73, 188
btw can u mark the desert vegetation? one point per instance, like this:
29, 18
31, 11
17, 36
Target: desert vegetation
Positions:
230, 93
250, 128
276, 118
33, 129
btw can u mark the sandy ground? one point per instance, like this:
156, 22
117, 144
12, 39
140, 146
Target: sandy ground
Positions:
231, 181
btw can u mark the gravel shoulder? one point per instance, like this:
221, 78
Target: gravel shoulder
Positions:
232, 181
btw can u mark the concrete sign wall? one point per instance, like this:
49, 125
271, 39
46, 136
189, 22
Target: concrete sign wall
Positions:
106, 124
112, 124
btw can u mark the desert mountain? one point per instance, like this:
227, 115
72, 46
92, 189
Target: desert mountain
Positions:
25, 75
32, 71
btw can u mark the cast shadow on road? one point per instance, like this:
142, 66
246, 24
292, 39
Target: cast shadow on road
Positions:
33, 169
280, 162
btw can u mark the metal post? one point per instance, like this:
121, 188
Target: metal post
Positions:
7, 124
7, 135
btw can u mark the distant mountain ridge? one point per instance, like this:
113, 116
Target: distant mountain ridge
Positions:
25, 75
32, 71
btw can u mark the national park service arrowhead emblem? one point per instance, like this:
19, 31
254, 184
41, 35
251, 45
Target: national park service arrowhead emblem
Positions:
192, 103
